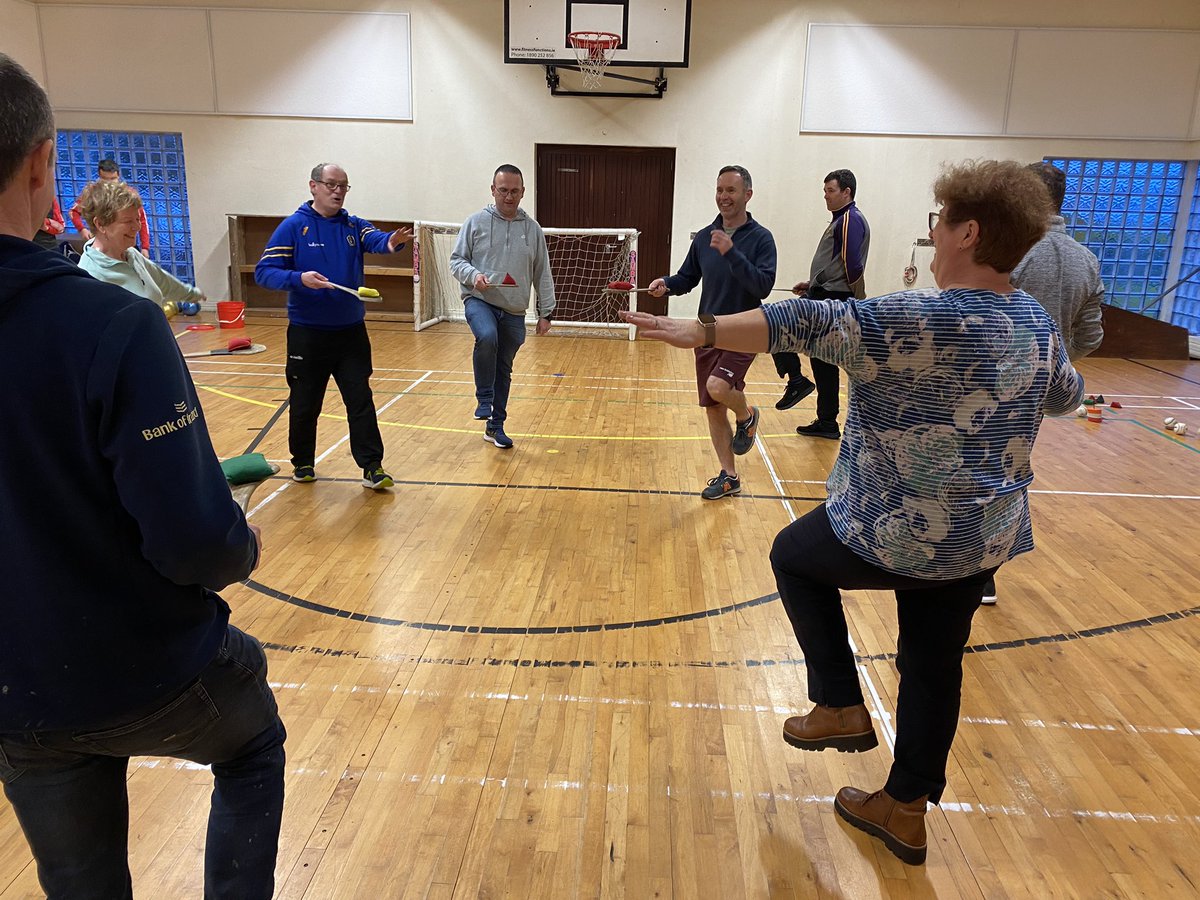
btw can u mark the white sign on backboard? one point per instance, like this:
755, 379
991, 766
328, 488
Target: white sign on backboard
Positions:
652, 32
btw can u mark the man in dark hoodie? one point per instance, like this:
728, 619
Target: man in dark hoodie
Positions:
318, 246
113, 642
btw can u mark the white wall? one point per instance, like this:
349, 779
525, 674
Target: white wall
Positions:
739, 102
19, 36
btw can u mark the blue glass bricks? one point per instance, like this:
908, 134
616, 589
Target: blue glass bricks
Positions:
1125, 211
1186, 311
150, 161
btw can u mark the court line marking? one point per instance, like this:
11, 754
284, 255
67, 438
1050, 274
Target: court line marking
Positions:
580, 437
519, 379
266, 429
1162, 371
440, 779
433, 694
664, 492
1061, 637
289, 483
877, 707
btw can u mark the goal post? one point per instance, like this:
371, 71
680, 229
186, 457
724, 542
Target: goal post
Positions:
583, 262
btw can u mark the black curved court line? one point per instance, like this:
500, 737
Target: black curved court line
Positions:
503, 629
524, 663
583, 489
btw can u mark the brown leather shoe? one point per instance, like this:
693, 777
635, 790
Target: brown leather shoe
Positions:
901, 826
847, 729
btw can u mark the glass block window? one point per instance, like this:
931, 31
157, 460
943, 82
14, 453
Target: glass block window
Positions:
1124, 210
152, 162
1186, 311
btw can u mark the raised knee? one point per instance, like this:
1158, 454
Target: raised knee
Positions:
718, 389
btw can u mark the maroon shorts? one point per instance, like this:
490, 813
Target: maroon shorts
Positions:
730, 367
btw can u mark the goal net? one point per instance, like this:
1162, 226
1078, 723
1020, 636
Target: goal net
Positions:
583, 261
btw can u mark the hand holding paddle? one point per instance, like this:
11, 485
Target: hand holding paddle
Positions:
626, 287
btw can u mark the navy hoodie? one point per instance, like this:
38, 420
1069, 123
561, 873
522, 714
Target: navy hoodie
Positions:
117, 522
735, 282
307, 241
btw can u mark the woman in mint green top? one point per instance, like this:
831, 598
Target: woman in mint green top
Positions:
111, 209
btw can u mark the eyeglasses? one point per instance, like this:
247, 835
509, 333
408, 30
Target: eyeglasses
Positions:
507, 193
335, 185
933, 219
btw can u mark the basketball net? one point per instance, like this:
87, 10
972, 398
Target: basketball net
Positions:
593, 52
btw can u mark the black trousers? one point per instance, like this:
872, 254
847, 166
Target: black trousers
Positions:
811, 568
313, 355
826, 376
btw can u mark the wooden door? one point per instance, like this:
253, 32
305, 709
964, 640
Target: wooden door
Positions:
589, 186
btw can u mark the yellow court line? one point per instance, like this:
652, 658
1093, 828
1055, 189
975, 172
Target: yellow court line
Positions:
546, 437
213, 390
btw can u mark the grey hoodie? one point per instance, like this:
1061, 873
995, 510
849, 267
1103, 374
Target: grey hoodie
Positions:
490, 244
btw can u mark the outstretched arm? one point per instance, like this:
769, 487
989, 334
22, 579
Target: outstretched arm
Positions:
745, 332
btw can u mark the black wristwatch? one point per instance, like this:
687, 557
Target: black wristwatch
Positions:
546, 317
709, 321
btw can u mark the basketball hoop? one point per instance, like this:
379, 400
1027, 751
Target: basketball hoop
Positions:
593, 51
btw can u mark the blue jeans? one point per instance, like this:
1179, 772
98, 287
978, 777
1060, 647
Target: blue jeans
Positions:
498, 336
68, 788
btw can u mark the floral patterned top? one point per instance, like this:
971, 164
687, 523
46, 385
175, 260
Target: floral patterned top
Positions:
947, 392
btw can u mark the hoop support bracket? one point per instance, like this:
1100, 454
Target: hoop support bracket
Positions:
658, 83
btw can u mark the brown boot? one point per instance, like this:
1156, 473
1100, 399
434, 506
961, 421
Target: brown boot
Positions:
901, 826
847, 729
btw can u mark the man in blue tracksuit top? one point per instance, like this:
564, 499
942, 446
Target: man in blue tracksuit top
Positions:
119, 529
318, 246
736, 258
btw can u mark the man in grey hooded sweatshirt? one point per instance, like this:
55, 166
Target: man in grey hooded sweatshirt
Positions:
500, 254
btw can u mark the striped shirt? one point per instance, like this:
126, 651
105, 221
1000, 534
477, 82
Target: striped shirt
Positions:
947, 392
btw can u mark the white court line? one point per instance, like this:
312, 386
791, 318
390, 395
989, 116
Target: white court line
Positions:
287, 484
1053, 493
787, 505
538, 379
434, 695
1118, 494
878, 711
546, 785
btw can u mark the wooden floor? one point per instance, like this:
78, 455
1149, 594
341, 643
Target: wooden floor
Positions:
555, 672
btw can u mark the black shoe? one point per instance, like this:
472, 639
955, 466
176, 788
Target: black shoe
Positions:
724, 485
820, 429
498, 437
743, 438
377, 479
795, 392
304, 474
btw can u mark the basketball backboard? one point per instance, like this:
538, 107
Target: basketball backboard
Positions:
653, 32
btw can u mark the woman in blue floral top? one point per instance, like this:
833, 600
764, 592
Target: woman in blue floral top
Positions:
928, 497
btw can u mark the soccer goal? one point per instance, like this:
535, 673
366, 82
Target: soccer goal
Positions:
583, 262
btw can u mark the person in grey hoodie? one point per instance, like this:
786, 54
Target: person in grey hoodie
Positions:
1064, 277
500, 254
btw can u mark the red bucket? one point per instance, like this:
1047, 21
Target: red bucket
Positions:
231, 314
